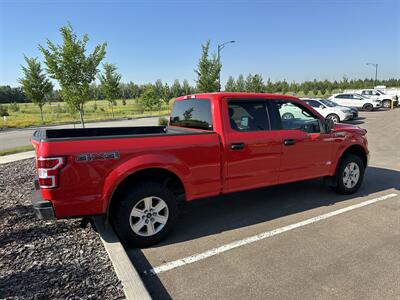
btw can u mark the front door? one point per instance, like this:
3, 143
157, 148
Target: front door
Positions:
306, 148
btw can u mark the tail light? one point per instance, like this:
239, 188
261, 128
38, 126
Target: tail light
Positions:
48, 169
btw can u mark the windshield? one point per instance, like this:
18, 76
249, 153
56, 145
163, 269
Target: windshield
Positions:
329, 103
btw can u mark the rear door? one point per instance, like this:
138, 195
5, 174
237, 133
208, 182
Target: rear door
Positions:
306, 148
252, 150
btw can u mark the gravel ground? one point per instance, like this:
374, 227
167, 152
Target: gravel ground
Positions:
52, 260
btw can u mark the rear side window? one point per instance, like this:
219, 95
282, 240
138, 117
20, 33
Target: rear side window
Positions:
313, 103
192, 113
248, 115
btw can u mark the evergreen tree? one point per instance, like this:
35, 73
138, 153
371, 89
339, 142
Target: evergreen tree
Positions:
35, 84
207, 71
186, 88
240, 84
230, 85
176, 89
109, 84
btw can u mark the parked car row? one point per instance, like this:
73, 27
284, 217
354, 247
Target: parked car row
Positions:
376, 94
344, 106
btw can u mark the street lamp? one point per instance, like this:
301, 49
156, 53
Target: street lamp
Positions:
376, 71
220, 47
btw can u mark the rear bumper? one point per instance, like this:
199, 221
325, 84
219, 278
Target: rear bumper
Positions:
43, 209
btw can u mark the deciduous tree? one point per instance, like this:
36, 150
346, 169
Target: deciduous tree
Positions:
34, 83
109, 84
72, 67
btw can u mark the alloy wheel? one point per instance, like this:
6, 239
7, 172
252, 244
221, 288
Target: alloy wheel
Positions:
351, 175
149, 216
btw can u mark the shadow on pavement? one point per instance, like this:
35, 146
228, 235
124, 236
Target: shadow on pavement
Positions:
218, 214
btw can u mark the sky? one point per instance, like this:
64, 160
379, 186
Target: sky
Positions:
149, 40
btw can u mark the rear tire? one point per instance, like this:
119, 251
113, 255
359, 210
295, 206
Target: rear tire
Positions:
136, 218
334, 117
368, 107
386, 103
349, 175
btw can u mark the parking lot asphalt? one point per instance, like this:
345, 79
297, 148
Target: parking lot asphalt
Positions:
344, 248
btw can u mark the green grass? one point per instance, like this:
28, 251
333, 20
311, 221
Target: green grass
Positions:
57, 113
16, 150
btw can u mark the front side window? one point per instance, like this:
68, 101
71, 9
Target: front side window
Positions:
292, 115
248, 116
192, 113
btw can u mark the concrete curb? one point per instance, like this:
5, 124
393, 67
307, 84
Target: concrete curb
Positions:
17, 156
131, 282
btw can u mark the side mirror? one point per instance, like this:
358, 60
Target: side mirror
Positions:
328, 125
321, 106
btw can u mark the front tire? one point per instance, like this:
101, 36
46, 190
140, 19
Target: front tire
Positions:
145, 214
368, 107
349, 175
287, 116
334, 117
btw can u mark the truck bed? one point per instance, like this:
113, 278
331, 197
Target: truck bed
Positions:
49, 135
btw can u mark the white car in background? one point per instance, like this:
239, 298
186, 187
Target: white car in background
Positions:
376, 94
356, 100
330, 111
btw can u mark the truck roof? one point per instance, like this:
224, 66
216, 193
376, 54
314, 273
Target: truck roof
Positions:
220, 95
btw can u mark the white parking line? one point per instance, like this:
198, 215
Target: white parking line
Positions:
197, 257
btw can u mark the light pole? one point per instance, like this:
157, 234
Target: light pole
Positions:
376, 71
220, 47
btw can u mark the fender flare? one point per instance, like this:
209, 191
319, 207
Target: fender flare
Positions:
142, 162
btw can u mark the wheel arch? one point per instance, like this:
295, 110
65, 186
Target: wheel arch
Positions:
356, 150
166, 177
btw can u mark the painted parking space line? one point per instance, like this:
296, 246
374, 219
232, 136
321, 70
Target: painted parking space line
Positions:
261, 236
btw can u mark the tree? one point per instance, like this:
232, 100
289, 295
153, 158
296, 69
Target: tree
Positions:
109, 84
269, 87
148, 98
230, 85
176, 89
254, 84
34, 83
3, 111
207, 71
240, 84
69, 64
186, 88
159, 89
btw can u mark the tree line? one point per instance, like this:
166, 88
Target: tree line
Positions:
250, 83
76, 71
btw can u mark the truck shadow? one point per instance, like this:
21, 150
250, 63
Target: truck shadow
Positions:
218, 214
214, 215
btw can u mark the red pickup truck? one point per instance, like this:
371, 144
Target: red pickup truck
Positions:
215, 143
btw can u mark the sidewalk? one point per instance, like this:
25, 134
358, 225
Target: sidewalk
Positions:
15, 157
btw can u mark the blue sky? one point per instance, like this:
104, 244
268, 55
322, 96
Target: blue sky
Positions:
149, 40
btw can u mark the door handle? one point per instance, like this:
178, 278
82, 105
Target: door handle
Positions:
289, 142
237, 146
